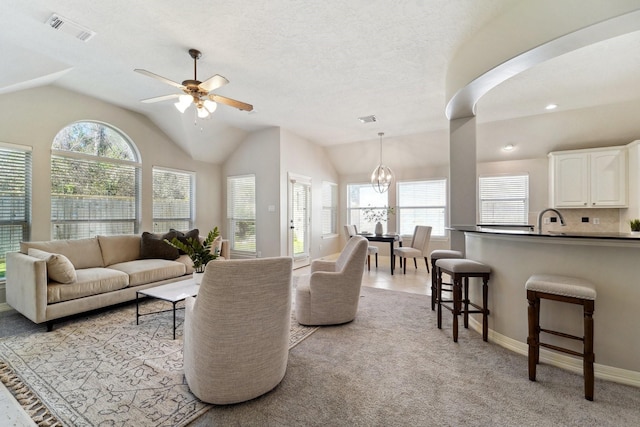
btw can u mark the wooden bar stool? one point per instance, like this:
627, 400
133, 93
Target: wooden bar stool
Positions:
564, 289
436, 255
460, 271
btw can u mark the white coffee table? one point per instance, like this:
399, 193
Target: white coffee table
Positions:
172, 292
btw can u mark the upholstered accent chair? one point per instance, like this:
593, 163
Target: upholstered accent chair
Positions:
330, 294
236, 332
352, 230
418, 248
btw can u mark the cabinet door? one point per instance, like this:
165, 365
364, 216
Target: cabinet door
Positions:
571, 180
608, 178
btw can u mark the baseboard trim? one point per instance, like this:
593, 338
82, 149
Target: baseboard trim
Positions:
5, 307
609, 373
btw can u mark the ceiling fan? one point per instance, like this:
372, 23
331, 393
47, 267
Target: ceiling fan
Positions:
196, 92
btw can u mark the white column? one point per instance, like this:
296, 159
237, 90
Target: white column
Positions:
462, 177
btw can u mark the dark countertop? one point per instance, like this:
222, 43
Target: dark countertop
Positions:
498, 230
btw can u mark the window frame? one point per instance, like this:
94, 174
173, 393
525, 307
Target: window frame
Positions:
525, 208
436, 232
190, 219
68, 155
355, 213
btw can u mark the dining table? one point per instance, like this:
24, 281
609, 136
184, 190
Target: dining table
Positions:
389, 238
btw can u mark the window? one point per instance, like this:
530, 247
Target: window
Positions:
95, 182
504, 199
15, 199
359, 198
173, 199
329, 208
422, 203
241, 213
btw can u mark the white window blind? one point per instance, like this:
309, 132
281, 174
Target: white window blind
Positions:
173, 199
241, 213
15, 200
95, 186
422, 203
329, 208
504, 199
361, 197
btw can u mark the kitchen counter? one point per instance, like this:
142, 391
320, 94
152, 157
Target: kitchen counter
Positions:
610, 260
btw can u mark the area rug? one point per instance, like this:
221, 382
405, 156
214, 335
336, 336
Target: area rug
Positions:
103, 369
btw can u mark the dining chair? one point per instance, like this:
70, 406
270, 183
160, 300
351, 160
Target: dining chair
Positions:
352, 230
418, 248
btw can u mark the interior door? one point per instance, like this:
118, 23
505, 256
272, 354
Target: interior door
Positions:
299, 219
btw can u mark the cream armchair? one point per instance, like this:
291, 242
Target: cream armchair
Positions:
330, 294
236, 332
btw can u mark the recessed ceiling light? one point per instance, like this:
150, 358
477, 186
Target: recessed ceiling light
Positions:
551, 107
508, 147
368, 119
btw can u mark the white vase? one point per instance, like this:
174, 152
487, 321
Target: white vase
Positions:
197, 277
378, 228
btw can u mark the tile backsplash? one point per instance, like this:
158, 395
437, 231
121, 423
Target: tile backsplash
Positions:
608, 221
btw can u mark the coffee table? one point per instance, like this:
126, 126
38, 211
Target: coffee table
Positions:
172, 292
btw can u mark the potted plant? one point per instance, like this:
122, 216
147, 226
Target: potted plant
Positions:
199, 252
635, 225
378, 215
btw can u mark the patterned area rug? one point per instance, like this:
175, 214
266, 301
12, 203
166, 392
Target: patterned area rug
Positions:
104, 369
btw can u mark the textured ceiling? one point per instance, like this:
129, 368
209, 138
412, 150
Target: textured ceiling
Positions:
309, 67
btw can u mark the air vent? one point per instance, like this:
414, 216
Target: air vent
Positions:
368, 119
65, 25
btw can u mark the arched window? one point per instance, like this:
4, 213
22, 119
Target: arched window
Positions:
95, 182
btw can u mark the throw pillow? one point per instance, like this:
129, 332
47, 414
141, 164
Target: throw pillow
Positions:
59, 268
191, 234
153, 246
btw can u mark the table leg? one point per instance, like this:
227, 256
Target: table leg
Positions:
137, 312
393, 258
174, 320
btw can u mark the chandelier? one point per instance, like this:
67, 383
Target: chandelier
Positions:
382, 175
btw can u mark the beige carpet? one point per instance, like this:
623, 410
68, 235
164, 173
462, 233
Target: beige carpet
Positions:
103, 369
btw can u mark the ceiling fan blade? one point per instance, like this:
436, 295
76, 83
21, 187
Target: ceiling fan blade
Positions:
160, 98
213, 82
231, 102
162, 79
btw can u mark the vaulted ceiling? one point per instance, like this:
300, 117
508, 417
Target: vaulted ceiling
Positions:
312, 68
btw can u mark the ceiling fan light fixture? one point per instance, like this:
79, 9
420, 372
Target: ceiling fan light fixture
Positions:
184, 101
203, 113
210, 106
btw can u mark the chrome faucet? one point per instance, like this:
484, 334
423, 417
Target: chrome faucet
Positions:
547, 210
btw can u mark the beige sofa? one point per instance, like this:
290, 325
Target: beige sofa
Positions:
96, 272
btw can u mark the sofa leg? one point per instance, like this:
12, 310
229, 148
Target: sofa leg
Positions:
50, 326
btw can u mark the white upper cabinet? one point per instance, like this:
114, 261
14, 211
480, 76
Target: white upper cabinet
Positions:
593, 178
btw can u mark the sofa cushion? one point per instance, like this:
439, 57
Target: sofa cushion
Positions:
59, 268
145, 271
119, 248
91, 281
153, 246
188, 264
83, 253
191, 234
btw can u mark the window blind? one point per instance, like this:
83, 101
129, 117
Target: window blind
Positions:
173, 200
15, 200
241, 212
329, 208
422, 203
504, 199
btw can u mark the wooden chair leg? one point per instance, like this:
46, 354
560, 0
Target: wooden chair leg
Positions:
376, 260
415, 263
434, 286
457, 302
439, 296
465, 301
369, 262
532, 341
589, 357
485, 309
404, 266
426, 262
